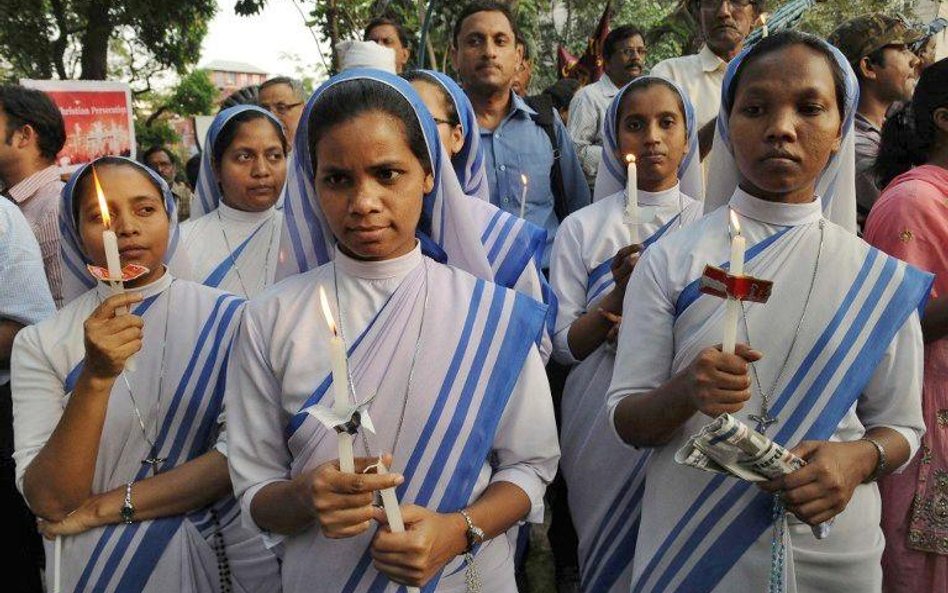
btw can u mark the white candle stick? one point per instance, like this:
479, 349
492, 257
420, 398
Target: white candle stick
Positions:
523, 196
766, 31
392, 511
631, 215
113, 262
57, 564
733, 310
340, 384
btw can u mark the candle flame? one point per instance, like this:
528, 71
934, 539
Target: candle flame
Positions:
735, 223
327, 312
103, 205
523, 178
630, 158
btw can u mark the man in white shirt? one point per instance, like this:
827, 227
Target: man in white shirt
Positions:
724, 24
624, 53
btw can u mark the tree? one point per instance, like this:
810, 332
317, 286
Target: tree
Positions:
73, 38
194, 95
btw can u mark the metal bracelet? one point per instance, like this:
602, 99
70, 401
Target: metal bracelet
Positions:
882, 463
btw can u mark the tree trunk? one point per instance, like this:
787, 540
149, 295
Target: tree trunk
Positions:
333, 17
95, 42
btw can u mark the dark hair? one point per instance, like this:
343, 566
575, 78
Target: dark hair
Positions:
192, 169
617, 36
34, 108
521, 40
294, 84
783, 40
640, 84
107, 161
876, 56
909, 134
384, 20
485, 6
349, 99
155, 150
227, 134
446, 98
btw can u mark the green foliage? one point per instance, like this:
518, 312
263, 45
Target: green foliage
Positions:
76, 38
158, 133
194, 95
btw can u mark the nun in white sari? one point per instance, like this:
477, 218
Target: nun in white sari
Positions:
128, 467
444, 363
479, 238
840, 377
601, 474
238, 246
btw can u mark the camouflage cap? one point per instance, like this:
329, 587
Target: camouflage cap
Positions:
859, 37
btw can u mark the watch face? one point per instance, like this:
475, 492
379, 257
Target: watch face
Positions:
127, 513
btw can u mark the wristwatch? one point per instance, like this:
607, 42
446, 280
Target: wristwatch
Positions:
128, 509
475, 535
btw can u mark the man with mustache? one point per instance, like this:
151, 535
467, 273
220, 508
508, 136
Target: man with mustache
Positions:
879, 49
517, 145
624, 52
724, 25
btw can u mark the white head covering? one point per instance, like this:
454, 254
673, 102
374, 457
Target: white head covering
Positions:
365, 54
612, 174
469, 162
445, 231
76, 278
837, 183
208, 191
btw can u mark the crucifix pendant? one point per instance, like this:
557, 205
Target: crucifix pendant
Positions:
154, 461
764, 421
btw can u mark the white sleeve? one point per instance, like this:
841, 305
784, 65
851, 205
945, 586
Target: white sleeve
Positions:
525, 449
664, 70
39, 398
257, 450
530, 284
893, 397
568, 277
648, 318
583, 125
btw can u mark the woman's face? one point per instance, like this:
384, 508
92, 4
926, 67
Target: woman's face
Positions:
253, 168
371, 186
452, 136
785, 124
652, 127
138, 215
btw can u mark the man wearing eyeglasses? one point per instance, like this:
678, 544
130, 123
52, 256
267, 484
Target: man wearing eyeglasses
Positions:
283, 97
878, 48
724, 25
624, 53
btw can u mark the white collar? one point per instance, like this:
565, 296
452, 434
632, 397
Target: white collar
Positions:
148, 290
665, 197
776, 213
378, 270
234, 215
710, 61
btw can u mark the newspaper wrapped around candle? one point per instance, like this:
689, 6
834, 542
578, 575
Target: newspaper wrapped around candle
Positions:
728, 446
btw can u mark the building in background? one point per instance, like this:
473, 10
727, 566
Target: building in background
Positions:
230, 76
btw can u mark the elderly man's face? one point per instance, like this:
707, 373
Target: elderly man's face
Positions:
725, 24
161, 163
281, 101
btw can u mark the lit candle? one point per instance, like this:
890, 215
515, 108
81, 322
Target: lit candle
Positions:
631, 216
523, 195
392, 511
110, 244
57, 564
763, 18
733, 310
340, 384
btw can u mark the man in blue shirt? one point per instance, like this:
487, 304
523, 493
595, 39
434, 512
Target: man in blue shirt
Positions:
486, 56
24, 299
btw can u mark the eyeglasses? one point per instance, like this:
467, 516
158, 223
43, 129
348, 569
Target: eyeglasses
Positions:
714, 4
632, 52
280, 108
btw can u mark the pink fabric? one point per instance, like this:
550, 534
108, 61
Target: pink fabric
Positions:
910, 221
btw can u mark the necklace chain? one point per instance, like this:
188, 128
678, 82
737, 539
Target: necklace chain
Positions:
233, 259
411, 369
764, 419
153, 460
